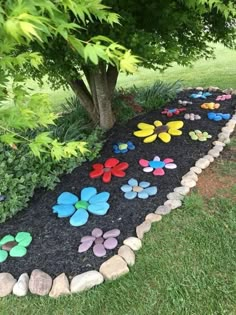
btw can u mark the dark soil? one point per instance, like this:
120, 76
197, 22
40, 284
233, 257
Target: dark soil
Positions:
55, 241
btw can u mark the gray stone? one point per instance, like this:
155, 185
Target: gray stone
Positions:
60, 286
188, 182
182, 190
202, 163
7, 282
127, 254
22, 285
133, 242
114, 268
86, 281
175, 196
142, 229
163, 210
196, 170
40, 282
153, 217
174, 204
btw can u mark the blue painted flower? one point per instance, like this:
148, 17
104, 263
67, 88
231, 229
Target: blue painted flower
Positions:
200, 94
122, 147
218, 116
142, 190
69, 204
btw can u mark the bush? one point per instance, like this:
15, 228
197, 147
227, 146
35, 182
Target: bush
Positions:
21, 173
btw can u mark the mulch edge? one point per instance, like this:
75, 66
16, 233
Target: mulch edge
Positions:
119, 264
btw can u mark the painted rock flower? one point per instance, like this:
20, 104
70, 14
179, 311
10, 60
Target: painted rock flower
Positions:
142, 190
14, 246
122, 147
223, 97
200, 94
163, 132
112, 167
100, 241
90, 201
211, 105
199, 135
156, 166
170, 112
218, 116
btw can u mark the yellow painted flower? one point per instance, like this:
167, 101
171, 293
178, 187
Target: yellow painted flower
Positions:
164, 132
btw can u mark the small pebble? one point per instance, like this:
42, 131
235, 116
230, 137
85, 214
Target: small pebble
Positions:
99, 240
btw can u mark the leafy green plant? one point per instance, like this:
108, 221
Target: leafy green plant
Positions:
21, 173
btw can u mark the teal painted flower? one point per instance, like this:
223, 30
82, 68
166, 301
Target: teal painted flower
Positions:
14, 246
142, 189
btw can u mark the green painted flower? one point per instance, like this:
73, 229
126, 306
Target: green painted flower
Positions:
14, 246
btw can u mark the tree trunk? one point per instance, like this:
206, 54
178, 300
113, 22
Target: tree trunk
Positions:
97, 100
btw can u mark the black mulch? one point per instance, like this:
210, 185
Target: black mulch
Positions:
55, 241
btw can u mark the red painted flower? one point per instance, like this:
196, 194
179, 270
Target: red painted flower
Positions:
111, 167
174, 111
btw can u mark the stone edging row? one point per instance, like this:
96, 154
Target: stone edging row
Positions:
40, 283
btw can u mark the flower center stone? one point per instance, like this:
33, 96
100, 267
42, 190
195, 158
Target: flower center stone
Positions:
137, 189
9, 245
161, 129
123, 146
82, 204
106, 169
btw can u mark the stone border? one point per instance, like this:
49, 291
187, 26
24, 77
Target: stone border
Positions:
40, 283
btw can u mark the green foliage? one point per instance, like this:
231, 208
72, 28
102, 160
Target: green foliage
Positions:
21, 173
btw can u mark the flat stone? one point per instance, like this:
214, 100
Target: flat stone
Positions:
227, 129
87, 193
175, 196
9, 245
218, 143
133, 242
97, 232
142, 229
153, 217
127, 254
163, 210
63, 211
191, 175
87, 238
60, 286
79, 218
99, 240
18, 251
22, 285
196, 170
67, 198
188, 182
174, 204
202, 163
7, 282
199, 88
6, 239
110, 243
99, 250
112, 233
83, 247
209, 157
3, 255
218, 148
114, 268
182, 190
86, 281
40, 282
214, 153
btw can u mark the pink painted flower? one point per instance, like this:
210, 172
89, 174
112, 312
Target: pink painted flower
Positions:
156, 166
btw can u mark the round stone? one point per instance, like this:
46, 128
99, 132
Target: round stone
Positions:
174, 204
209, 158
18, 251
188, 182
112, 233
196, 170
97, 232
175, 196
202, 163
183, 190
137, 189
99, 240
110, 243
163, 210
99, 250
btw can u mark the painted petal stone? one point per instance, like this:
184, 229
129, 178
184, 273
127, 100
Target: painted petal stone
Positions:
114, 268
163, 210
99, 208
143, 162
63, 211
133, 182
130, 195
85, 246
80, 217
148, 169
87, 238
144, 184
127, 254
133, 242
99, 250
168, 160
23, 238
67, 198
101, 197
87, 193
111, 162
156, 164
18, 251
156, 158
110, 243
60, 286
99, 240
86, 281
97, 232
3, 255
6, 239
22, 285
151, 191
171, 166
40, 282
143, 195
7, 282
126, 188
9, 245
112, 233
159, 172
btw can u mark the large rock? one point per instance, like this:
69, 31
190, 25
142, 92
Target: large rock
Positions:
174, 204
153, 217
133, 242
175, 195
202, 163
114, 268
60, 286
86, 281
127, 254
40, 282
182, 190
22, 285
188, 182
7, 282
143, 228
163, 210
